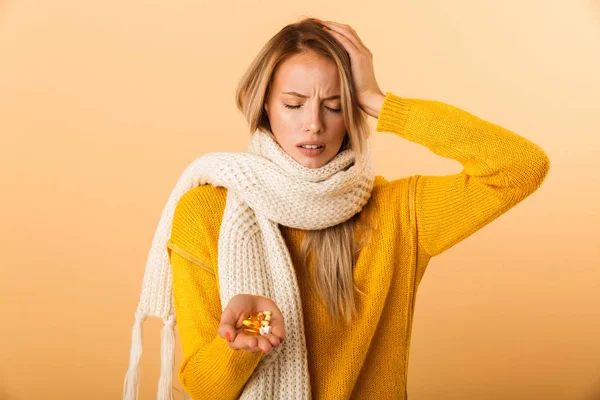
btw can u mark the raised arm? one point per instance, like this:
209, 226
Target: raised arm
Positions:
501, 168
210, 369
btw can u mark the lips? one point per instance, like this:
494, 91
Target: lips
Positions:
312, 143
311, 152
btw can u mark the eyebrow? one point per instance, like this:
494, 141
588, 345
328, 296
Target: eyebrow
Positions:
303, 96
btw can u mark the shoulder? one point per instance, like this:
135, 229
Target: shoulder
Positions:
389, 197
384, 188
197, 220
202, 204
202, 198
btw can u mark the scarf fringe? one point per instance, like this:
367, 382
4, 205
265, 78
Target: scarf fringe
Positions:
167, 357
132, 378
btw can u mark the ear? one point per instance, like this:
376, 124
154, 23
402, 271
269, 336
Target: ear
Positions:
266, 107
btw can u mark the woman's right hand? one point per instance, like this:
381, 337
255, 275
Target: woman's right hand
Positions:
239, 308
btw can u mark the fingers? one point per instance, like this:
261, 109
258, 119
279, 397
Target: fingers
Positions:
252, 344
346, 42
348, 36
277, 330
246, 342
268, 342
273, 340
227, 328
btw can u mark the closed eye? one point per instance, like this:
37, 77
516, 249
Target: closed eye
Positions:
335, 110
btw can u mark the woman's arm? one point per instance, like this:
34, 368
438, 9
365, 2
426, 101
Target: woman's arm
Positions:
501, 168
210, 369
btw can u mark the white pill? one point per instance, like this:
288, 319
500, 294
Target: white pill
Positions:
265, 330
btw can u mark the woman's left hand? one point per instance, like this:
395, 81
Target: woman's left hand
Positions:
369, 95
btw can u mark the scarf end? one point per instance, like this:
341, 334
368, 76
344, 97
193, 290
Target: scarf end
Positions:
167, 358
132, 378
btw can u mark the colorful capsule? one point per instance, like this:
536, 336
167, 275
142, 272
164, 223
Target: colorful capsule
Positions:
257, 323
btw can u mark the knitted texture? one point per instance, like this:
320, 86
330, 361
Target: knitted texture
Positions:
266, 187
415, 218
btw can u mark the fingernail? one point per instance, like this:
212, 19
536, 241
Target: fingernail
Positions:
228, 336
326, 28
318, 20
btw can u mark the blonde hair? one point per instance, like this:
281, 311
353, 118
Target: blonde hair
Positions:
334, 250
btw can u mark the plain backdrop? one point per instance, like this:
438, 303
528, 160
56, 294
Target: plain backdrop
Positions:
103, 105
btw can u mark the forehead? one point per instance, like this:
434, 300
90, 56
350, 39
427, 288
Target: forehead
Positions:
305, 72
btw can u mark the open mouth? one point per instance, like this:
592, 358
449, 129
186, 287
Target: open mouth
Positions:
314, 151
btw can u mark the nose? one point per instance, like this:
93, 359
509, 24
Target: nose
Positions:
314, 119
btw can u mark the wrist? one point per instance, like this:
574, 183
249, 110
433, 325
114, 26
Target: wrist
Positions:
373, 105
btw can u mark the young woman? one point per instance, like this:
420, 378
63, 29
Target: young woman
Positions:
357, 245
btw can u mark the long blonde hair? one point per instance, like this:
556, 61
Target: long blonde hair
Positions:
334, 250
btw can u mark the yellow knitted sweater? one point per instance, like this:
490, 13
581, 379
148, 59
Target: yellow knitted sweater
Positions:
417, 217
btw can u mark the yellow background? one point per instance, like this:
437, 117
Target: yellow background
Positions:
103, 104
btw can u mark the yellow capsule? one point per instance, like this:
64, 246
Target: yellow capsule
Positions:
251, 332
251, 328
249, 323
252, 324
253, 315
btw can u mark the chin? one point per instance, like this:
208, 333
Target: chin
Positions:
313, 166
311, 163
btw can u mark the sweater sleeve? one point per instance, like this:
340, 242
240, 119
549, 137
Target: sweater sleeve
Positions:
210, 369
500, 168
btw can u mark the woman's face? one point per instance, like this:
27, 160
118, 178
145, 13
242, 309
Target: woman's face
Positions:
316, 115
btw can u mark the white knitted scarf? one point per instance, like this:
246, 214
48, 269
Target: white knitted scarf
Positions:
266, 187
